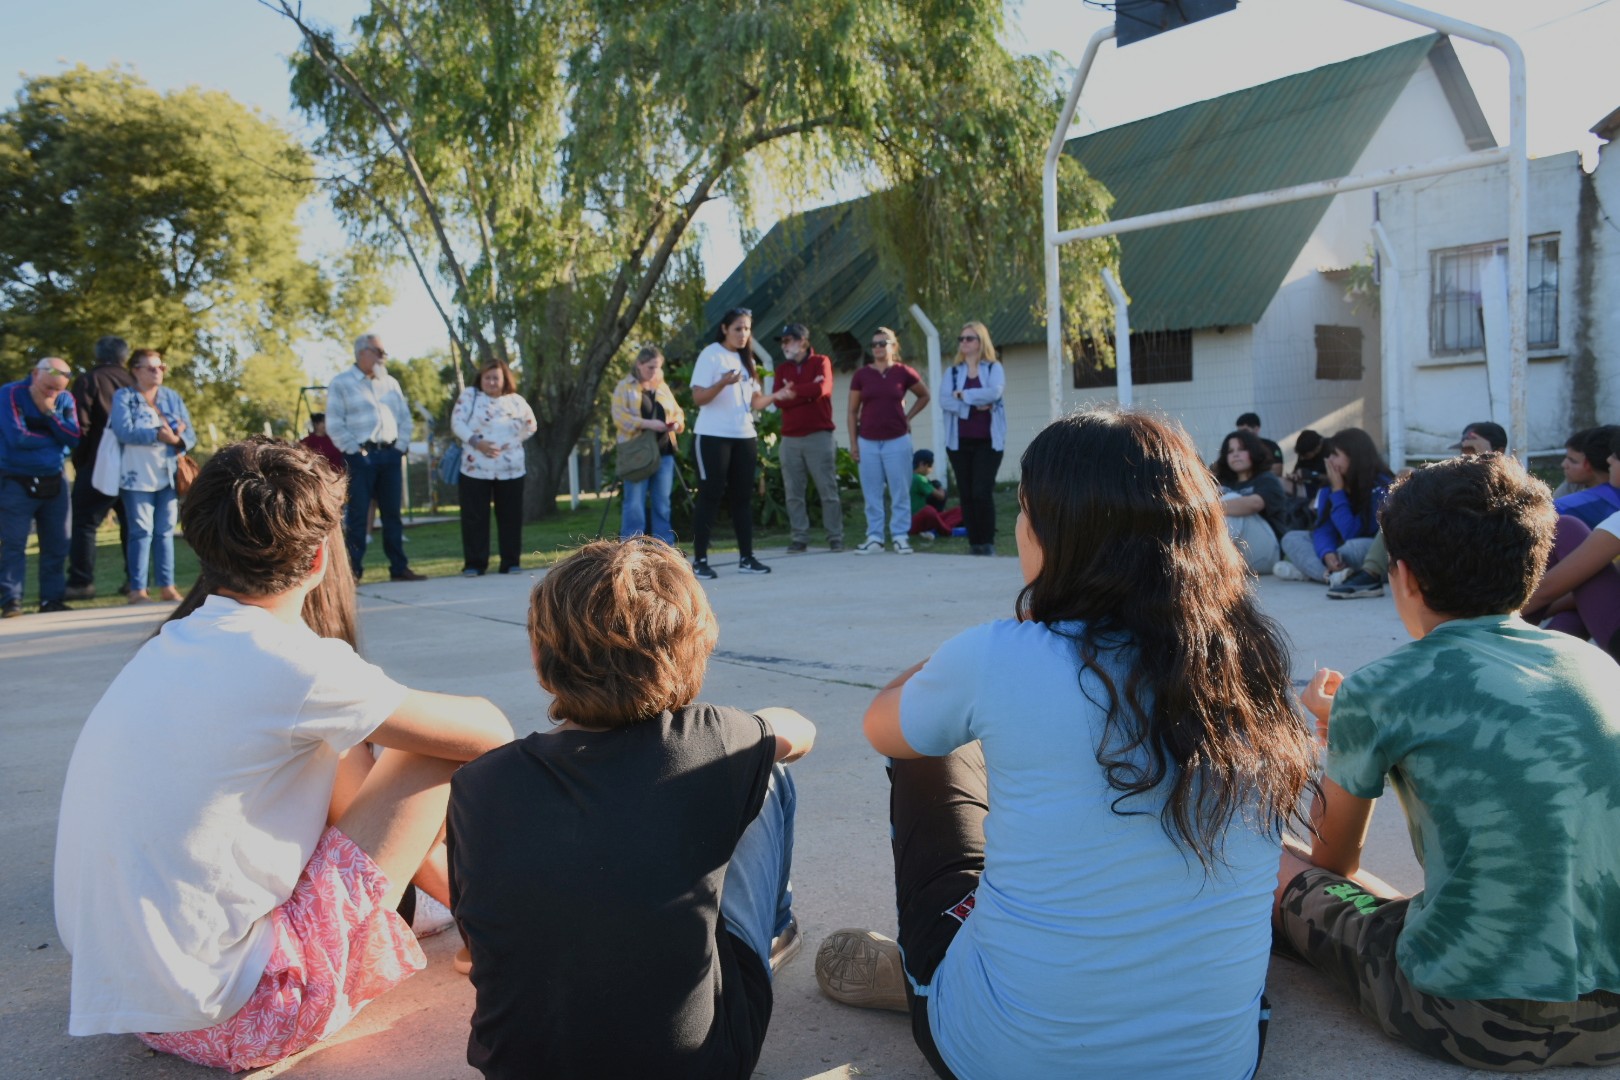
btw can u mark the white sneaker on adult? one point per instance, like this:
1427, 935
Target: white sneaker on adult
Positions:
902, 546
871, 547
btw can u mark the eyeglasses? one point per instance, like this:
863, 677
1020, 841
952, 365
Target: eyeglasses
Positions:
881, 344
967, 337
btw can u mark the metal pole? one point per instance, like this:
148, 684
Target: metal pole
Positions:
936, 377
1049, 213
1394, 365
573, 479
1122, 336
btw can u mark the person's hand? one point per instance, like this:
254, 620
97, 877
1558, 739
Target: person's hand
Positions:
731, 378
1318, 699
1335, 475
655, 425
855, 452
179, 426
785, 394
957, 394
676, 428
166, 434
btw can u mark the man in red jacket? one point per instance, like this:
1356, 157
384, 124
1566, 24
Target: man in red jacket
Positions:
807, 446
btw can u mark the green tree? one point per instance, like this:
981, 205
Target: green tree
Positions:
170, 220
546, 160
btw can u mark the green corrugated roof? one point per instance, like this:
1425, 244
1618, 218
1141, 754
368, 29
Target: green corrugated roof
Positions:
819, 267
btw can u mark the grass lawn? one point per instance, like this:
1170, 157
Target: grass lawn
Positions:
434, 548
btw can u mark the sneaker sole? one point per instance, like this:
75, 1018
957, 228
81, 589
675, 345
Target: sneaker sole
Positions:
850, 966
788, 945
1359, 594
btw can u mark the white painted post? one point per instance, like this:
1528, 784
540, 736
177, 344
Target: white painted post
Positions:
1122, 336
1391, 360
573, 479
936, 376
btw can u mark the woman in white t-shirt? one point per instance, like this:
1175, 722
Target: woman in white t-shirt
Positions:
726, 388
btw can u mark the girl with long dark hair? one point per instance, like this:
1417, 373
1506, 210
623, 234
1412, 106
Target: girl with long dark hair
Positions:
1358, 478
1251, 497
726, 388
1133, 731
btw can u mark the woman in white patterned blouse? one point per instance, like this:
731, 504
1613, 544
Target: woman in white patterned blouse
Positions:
492, 421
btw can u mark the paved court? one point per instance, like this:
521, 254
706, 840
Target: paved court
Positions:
820, 635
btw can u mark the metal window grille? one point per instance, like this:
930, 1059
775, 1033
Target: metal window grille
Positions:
1157, 356
1455, 322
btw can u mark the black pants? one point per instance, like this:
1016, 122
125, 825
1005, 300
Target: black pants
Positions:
475, 499
725, 465
89, 511
975, 463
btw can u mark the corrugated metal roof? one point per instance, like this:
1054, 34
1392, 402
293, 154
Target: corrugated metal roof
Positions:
820, 268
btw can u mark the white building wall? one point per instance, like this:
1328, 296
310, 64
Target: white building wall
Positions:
1443, 393
1605, 312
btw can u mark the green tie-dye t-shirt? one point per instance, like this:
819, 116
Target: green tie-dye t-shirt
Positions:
1502, 742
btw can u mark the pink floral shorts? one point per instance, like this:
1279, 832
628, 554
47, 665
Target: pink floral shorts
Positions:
336, 948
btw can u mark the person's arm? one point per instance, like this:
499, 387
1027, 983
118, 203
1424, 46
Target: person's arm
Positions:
674, 415
528, 426
445, 726
1242, 506
627, 418
460, 418
992, 384
919, 391
795, 734
882, 721
122, 421
1340, 821
854, 422
13, 431
338, 407
1575, 569
710, 378
186, 431
702, 395
404, 425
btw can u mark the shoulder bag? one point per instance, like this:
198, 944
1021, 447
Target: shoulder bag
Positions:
185, 471
637, 457
450, 461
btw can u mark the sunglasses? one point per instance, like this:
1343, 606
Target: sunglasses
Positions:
967, 337
881, 344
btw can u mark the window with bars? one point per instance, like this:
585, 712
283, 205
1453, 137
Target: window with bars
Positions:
1157, 356
1455, 312
1338, 352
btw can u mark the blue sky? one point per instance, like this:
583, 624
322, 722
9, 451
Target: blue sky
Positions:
239, 46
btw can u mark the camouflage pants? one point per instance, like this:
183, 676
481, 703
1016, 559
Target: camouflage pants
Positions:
1350, 936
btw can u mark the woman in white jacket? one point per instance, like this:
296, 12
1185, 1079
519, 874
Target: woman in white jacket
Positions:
493, 421
976, 431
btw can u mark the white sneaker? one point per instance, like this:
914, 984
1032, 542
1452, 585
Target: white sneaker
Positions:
871, 547
1336, 578
901, 546
431, 918
1287, 571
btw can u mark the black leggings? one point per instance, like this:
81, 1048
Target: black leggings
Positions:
725, 464
975, 462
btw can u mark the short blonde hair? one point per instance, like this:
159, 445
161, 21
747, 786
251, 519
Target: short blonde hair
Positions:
621, 631
987, 348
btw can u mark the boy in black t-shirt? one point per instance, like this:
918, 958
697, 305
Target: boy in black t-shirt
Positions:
622, 880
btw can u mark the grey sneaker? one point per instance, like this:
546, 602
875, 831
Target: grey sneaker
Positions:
1358, 586
798, 547
871, 547
835, 543
786, 945
863, 969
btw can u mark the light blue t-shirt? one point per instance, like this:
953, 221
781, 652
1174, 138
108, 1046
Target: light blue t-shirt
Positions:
1097, 946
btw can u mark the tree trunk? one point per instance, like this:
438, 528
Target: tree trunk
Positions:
546, 457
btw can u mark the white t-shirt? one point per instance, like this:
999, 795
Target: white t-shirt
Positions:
1611, 524
729, 414
196, 793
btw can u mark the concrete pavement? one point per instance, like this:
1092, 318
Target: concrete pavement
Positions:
819, 635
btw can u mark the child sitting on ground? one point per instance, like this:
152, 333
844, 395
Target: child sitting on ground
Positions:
1502, 741
928, 512
228, 858
622, 879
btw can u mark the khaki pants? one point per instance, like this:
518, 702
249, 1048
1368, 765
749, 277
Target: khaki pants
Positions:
814, 456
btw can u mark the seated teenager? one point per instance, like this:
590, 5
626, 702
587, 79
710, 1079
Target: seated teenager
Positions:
1084, 852
1501, 741
222, 893
929, 514
1579, 594
1591, 505
1581, 472
1252, 500
622, 879
1346, 512
1309, 475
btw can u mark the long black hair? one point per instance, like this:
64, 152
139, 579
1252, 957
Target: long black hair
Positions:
1259, 457
725, 324
1368, 469
1135, 549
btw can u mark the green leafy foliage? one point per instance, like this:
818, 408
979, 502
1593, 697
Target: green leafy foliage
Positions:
171, 221
542, 163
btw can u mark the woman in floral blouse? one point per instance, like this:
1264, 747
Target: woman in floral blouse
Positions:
492, 420
154, 428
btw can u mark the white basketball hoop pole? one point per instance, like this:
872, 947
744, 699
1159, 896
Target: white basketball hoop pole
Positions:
1515, 154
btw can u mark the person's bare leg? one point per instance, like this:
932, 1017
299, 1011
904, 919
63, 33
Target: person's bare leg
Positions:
433, 876
398, 814
354, 765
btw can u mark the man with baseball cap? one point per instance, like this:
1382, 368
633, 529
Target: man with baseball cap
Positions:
1483, 437
803, 383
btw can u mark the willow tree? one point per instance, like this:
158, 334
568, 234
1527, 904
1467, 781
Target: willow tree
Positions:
542, 162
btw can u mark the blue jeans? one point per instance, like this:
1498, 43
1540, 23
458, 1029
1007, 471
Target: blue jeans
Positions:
756, 900
886, 462
1299, 549
375, 475
19, 512
634, 520
152, 516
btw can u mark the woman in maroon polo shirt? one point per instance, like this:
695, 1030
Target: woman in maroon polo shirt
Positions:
880, 439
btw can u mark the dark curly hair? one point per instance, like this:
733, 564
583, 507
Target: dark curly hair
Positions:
1135, 551
1474, 531
1259, 456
